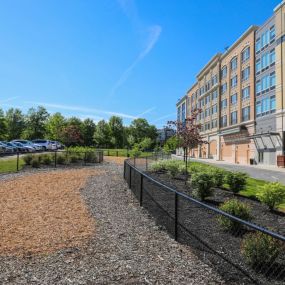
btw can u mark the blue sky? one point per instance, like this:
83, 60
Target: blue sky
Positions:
96, 58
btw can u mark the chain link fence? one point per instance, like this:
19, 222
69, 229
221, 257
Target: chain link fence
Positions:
240, 251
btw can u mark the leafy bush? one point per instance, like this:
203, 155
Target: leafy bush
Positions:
27, 159
172, 169
158, 166
35, 162
136, 152
271, 194
260, 249
73, 158
90, 157
202, 185
61, 159
218, 176
237, 209
45, 159
236, 181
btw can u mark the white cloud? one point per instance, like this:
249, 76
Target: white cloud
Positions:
146, 112
153, 32
163, 117
9, 99
81, 109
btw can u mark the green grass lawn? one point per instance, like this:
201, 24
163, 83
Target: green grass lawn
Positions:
252, 185
10, 165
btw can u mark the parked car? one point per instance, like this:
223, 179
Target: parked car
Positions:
45, 144
12, 145
26, 148
29, 143
58, 145
6, 148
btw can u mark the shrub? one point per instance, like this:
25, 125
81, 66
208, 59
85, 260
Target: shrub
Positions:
61, 159
45, 159
90, 157
237, 209
73, 158
158, 166
236, 181
260, 249
35, 162
136, 152
271, 194
27, 159
202, 185
218, 176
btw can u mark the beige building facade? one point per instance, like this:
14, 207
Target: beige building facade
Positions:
242, 97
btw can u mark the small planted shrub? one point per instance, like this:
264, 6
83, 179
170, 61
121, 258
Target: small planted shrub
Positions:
202, 185
237, 209
271, 194
158, 166
218, 177
35, 162
45, 159
260, 249
73, 158
61, 159
172, 169
27, 159
90, 157
236, 181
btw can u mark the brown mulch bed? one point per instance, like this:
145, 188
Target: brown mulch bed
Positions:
44, 212
115, 159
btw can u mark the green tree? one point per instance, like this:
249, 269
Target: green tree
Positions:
88, 130
15, 122
36, 123
3, 126
117, 131
54, 127
102, 135
140, 129
145, 144
171, 144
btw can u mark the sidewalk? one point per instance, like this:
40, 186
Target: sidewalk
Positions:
264, 172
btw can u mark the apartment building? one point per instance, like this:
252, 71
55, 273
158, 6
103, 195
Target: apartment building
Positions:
242, 97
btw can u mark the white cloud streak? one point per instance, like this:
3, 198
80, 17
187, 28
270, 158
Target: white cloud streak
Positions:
81, 109
9, 99
163, 117
129, 8
146, 112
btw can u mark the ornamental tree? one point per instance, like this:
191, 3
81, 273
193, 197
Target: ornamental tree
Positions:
188, 133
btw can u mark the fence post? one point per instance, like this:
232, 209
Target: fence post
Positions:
134, 161
55, 153
117, 153
124, 169
141, 190
146, 163
17, 161
176, 216
130, 180
85, 157
108, 154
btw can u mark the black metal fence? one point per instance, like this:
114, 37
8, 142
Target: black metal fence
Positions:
245, 253
13, 162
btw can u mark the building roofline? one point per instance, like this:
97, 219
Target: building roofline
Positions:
195, 84
239, 40
265, 23
279, 6
209, 64
181, 100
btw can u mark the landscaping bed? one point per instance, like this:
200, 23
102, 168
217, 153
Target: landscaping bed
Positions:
274, 220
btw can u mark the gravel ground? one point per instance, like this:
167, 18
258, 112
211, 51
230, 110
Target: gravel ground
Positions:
127, 248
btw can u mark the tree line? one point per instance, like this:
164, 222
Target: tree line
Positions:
38, 123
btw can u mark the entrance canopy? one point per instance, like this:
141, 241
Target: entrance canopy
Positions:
267, 141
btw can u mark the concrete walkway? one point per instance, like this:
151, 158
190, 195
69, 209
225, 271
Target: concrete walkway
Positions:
264, 172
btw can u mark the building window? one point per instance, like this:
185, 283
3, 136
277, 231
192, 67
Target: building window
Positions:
245, 74
234, 99
224, 88
272, 56
267, 82
258, 45
224, 104
258, 109
272, 103
234, 64
179, 114
214, 80
214, 109
224, 71
245, 93
266, 60
234, 81
258, 66
214, 123
224, 121
245, 114
272, 33
234, 118
265, 39
214, 95
207, 99
245, 54
207, 112
272, 80
183, 112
